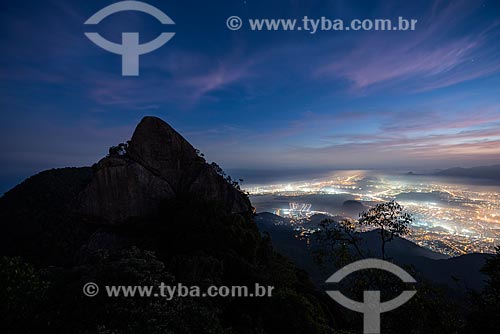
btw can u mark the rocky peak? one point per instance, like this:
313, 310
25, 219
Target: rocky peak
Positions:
159, 165
162, 150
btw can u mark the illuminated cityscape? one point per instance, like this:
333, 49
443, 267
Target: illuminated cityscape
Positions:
453, 217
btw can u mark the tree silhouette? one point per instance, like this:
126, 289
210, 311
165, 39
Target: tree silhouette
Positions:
340, 242
336, 241
390, 218
120, 149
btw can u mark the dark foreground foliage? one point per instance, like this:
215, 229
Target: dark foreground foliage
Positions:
49, 254
192, 242
433, 309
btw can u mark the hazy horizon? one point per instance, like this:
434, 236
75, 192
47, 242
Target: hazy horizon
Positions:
256, 100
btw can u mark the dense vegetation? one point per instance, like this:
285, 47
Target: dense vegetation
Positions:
49, 254
192, 241
434, 309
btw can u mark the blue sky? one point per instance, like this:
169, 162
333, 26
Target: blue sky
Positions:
258, 101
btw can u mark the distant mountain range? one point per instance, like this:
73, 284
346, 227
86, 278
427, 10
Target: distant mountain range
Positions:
459, 273
481, 172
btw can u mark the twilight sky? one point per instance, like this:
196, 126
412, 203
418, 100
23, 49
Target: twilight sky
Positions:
256, 101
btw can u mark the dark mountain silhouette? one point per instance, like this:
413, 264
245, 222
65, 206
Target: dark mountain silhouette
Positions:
39, 218
152, 211
316, 219
458, 273
155, 211
159, 165
481, 172
352, 208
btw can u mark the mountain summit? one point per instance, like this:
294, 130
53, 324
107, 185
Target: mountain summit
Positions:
158, 164
63, 210
152, 211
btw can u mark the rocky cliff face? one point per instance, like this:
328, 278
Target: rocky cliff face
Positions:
159, 165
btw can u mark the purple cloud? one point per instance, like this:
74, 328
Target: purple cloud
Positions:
423, 59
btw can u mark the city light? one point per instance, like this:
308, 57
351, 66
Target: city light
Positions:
449, 218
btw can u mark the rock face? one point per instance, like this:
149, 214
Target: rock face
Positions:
122, 188
159, 165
